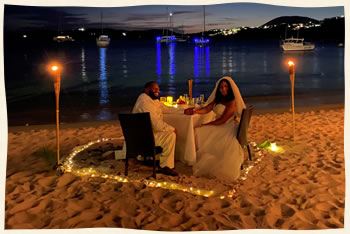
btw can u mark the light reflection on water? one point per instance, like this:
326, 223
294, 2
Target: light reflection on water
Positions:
83, 66
172, 68
105, 113
125, 65
201, 67
159, 62
201, 62
103, 78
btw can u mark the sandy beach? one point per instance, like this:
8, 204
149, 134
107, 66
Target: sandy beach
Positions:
301, 187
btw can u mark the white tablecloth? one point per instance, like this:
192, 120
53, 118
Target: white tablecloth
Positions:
185, 149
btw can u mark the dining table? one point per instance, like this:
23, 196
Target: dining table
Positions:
185, 149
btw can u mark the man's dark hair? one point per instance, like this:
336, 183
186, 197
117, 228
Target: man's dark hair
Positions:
218, 96
148, 84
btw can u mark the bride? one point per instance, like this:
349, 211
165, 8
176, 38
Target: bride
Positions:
219, 153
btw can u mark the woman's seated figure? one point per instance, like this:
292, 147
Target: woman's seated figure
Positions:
219, 153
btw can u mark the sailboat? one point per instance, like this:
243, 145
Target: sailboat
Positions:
103, 40
202, 41
61, 38
167, 38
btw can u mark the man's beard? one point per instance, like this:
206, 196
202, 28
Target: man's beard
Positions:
151, 94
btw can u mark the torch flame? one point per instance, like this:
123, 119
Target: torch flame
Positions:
290, 63
54, 68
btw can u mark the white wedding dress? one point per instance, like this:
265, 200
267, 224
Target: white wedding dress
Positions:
219, 153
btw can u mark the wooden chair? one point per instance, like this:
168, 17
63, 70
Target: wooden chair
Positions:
139, 138
242, 132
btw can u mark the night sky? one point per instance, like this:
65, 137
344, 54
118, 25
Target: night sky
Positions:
187, 18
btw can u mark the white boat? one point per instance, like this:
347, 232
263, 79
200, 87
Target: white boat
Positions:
103, 41
63, 38
293, 44
202, 41
166, 39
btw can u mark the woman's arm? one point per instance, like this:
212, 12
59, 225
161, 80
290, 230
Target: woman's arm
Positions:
230, 110
204, 110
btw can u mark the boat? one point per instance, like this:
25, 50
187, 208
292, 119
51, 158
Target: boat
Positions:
61, 38
291, 44
103, 40
166, 39
202, 41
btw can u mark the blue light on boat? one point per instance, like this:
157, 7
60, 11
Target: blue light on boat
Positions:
201, 40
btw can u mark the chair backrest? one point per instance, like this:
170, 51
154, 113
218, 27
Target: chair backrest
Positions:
242, 132
138, 134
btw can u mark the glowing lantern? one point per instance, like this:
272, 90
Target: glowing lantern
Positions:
169, 100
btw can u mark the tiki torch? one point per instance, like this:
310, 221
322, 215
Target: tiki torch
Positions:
190, 88
291, 77
55, 69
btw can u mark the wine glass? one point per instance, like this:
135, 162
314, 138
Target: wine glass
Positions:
186, 98
201, 98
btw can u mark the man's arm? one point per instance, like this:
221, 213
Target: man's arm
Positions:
157, 123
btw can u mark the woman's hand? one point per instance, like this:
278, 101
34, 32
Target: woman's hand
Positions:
201, 125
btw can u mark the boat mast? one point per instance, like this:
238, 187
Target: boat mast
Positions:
101, 23
167, 28
203, 22
285, 35
59, 26
171, 24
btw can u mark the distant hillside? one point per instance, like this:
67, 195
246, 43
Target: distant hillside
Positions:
291, 20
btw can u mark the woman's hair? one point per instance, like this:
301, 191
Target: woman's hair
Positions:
218, 96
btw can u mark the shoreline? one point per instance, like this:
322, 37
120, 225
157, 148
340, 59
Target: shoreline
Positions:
73, 112
87, 124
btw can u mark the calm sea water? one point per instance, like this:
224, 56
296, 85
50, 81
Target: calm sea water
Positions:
98, 82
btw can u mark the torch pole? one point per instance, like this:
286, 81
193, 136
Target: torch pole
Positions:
190, 88
57, 85
291, 77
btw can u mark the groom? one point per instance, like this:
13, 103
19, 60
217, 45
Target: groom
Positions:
164, 134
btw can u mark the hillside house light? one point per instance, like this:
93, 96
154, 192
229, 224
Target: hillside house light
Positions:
291, 77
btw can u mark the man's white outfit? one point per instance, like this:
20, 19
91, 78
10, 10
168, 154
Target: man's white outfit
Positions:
164, 134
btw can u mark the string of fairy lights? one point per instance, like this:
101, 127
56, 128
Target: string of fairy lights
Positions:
68, 166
